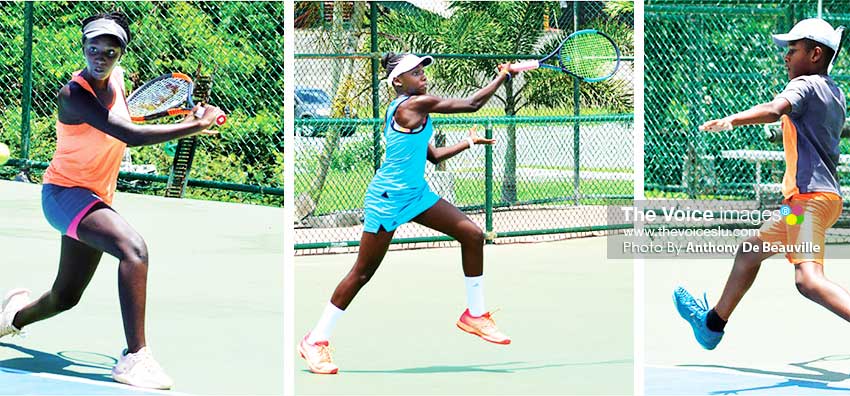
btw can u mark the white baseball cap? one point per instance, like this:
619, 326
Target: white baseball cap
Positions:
408, 62
814, 29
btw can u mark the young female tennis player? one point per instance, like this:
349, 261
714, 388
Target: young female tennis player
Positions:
93, 130
398, 193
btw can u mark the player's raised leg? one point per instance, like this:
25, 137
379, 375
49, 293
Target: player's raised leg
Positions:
744, 271
707, 323
446, 218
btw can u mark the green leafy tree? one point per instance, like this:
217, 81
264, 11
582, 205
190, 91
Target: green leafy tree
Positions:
241, 42
515, 27
342, 38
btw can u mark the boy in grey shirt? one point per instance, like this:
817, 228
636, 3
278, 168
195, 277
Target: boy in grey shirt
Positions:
812, 110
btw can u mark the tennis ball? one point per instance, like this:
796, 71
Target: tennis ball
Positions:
4, 153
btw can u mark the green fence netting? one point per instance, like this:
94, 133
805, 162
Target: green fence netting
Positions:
564, 149
239, 43
709, 59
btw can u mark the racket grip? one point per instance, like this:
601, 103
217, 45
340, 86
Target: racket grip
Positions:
523, 66
220, 120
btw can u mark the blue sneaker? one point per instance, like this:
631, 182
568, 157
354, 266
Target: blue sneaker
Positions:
695, 312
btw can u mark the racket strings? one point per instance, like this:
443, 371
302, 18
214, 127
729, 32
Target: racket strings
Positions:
158, 97
589, 56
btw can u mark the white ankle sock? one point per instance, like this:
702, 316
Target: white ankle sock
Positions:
475, 295
326, 324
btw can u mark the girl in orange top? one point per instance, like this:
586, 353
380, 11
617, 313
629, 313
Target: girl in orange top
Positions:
93, 130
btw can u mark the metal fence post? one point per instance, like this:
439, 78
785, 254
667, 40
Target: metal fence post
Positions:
488, 185
576, 141
376, 111
26, 90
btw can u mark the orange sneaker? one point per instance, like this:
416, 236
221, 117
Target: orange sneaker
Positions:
482, 326
318, 356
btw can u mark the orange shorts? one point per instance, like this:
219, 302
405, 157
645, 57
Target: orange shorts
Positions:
803, 237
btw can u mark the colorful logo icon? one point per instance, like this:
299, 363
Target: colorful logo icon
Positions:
793, 214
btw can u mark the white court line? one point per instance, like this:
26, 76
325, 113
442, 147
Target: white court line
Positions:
93, 382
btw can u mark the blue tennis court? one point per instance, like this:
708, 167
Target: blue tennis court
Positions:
777, 342
20, 382
727, 380
215, 305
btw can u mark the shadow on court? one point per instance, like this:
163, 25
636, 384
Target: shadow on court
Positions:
44, 362
819, 374
801, 387
566, 307
193, 288
481, 368
755, 357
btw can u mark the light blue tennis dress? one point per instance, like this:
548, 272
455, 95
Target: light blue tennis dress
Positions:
399, 192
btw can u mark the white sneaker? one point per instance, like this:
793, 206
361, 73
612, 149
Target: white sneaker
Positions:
140, 369
13, 302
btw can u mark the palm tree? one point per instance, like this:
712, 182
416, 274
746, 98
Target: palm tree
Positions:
515, 27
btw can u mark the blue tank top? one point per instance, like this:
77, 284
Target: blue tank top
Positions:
407, 151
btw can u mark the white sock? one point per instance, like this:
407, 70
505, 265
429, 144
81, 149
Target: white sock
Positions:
326, 324
475, 295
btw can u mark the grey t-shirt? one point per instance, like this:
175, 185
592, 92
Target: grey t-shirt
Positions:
818, 110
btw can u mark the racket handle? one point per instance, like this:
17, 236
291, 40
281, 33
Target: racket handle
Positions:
220, 120
524, 66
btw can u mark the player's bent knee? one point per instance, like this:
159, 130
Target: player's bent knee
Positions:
472, 235
807, 282
134, 251
806, 287
64, 300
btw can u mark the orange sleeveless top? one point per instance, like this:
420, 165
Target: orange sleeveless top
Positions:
85, 156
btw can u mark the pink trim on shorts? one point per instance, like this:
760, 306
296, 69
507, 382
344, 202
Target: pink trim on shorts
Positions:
72, 228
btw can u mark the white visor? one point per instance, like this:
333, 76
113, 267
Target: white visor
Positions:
103, 26
408, 63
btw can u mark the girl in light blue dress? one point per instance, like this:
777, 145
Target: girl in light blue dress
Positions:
398, 193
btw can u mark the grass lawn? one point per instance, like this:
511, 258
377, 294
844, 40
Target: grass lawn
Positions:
346, 190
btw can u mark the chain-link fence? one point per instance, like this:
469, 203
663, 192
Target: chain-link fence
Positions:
710, 59
240, 44
563, 151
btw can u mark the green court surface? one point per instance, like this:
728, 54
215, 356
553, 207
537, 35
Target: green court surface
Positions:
567, 309
215, 301
777, 342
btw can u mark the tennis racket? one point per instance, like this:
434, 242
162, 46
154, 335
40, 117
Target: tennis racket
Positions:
587, 54
167, 95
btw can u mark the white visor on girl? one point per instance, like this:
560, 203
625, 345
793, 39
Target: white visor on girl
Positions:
103, 26
408, 63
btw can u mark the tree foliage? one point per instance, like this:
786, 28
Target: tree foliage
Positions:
240, 43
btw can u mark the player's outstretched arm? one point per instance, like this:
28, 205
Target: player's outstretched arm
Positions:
78, 104
760, 114
433, 104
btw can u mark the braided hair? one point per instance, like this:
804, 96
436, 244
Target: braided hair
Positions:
390, 61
